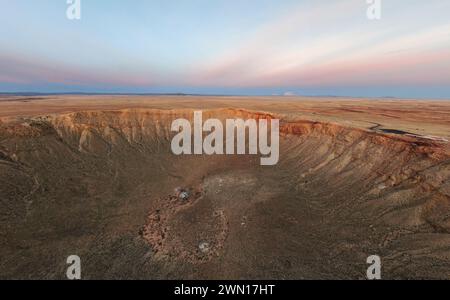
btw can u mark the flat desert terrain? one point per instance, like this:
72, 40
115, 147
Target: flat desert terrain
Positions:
94, 176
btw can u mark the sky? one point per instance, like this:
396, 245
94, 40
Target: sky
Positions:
251, 47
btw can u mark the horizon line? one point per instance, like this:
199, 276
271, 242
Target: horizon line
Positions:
212, 95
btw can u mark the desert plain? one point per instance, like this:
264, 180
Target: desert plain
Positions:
94, 176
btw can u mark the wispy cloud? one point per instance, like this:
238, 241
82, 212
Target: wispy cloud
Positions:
298, 51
